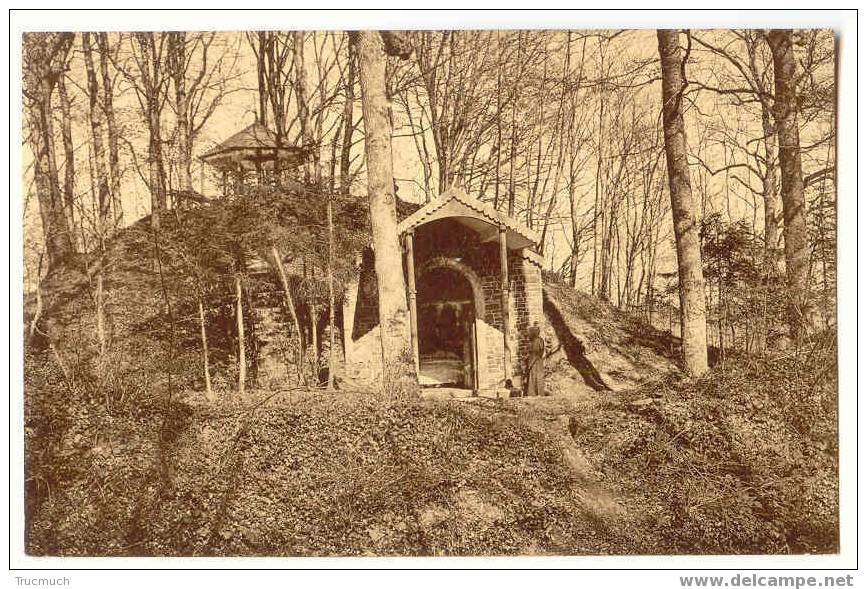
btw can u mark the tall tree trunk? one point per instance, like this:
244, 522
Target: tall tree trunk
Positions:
209, 392
261, 79
689, 269
242, 352
152, 87
393, 312
331, 341
177, 63
769, 186
329, 213
96, 135
68, 154
797, 249
111, 128
311, 169
311, 174
314, 335
598, 193
770, 197
100, 180
156, 170
44, 59
348, 125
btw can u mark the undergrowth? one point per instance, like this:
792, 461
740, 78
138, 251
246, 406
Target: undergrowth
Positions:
742, 461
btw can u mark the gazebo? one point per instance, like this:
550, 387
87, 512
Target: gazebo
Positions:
253, 150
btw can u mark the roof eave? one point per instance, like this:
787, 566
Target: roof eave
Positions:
476, 209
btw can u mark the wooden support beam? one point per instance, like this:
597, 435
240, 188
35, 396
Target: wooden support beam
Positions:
239, 182
504, 292
410, 286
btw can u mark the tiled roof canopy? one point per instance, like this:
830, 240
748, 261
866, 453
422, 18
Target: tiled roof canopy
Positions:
481, 217
255, 144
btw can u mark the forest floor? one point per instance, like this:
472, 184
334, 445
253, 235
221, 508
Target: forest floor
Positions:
722, 465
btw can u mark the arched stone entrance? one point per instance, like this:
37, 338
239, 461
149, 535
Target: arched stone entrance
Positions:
450, 297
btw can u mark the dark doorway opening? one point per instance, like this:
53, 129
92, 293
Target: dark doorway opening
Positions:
446, 330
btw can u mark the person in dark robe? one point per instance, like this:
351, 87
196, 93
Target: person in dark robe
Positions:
535, 375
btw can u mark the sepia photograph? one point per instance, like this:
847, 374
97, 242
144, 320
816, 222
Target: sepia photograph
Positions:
563, 291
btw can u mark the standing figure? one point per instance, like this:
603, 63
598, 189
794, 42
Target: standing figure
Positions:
535, 375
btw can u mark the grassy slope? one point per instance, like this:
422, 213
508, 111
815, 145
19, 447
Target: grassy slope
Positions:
742, 461
736, 463
603, 342
320, 474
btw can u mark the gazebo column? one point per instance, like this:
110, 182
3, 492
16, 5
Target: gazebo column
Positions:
410, 285
239, 179
260, 175
504, 293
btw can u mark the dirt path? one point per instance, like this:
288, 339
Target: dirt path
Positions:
603, 507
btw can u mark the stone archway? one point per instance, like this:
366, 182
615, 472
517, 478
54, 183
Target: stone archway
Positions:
450, 297
463, 269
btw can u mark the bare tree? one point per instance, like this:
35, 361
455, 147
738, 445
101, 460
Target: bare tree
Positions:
145, 71
97, 130
753, 66
202, 70
274, 54
794, 221
44, 59
689, 268
108, 89
101, 182
68, 153
393, 311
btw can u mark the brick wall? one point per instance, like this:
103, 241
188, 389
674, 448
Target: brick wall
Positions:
527, 297
449, 239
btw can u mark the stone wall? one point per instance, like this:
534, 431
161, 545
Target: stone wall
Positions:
272, 343
363, 348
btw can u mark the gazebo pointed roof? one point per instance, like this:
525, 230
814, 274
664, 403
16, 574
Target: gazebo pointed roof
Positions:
255, 143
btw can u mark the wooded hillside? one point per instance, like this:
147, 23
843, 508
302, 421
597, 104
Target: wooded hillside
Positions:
201, 207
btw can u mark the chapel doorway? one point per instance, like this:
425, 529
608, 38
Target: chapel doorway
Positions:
446, 330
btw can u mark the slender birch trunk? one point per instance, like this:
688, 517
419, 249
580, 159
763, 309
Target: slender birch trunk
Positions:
290, 306
242, 353
209, 392
68, 154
